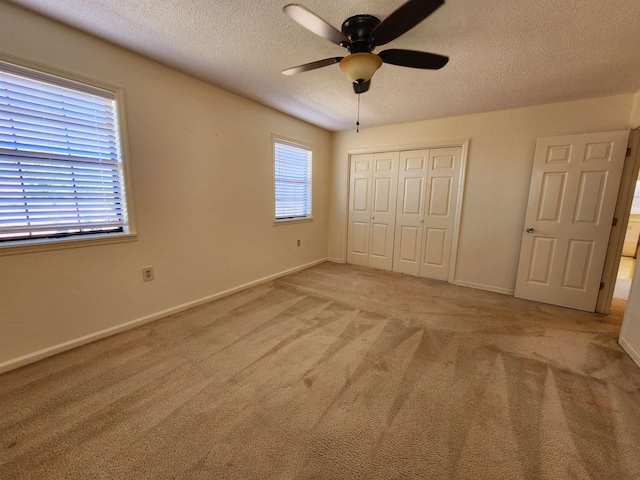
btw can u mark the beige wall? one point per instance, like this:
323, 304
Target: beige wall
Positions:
635, 112
202, 169
630, 333
500, 157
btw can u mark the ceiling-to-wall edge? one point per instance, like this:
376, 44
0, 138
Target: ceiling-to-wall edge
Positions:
183, 71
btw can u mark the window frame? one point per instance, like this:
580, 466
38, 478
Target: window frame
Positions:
279, 139
62, 78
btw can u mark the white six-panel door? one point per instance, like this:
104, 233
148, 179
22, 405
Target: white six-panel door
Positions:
574, 187
402, 208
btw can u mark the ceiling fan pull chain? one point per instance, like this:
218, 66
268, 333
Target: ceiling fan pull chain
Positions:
358, 119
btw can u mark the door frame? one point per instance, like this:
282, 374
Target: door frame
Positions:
462, 143
621, 213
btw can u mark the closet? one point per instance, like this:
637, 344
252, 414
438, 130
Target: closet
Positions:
403, 210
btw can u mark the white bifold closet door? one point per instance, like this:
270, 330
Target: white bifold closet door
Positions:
402, 209
372, 209
425, 219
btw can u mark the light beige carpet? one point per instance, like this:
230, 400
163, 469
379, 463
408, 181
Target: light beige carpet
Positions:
337, 372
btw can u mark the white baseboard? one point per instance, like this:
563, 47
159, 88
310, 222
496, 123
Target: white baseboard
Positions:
480, 286
635, 356
92, 337
335, 260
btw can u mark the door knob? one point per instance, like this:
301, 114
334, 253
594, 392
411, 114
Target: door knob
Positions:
529, 230
422, 220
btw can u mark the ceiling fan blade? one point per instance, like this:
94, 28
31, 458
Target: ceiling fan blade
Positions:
312, 66
361, 87
403, 19
414, 59
317, 25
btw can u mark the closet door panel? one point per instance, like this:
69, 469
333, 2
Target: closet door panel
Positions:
439, 197
440, 206
410, 211
408, 244
359, 238
435, 246
383, 211
361, 173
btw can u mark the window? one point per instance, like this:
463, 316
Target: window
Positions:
61, 172
292, 180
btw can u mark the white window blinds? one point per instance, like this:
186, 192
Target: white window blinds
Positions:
292, 180
60, 162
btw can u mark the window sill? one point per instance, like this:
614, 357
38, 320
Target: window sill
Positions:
289, 221
33, 246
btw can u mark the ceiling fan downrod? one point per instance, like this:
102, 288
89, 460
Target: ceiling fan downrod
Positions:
358, 30
358, 117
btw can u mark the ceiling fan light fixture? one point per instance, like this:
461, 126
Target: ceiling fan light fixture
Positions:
360, 67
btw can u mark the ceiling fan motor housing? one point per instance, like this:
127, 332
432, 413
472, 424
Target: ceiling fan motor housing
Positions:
358, 30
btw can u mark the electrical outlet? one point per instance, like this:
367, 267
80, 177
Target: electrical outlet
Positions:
298, 242
147, 274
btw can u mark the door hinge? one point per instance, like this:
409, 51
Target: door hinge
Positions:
628, 152
615, 222
601, 285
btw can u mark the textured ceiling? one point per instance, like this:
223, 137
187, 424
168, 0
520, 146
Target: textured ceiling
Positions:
503, 53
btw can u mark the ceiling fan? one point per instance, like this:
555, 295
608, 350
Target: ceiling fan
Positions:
361, 34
